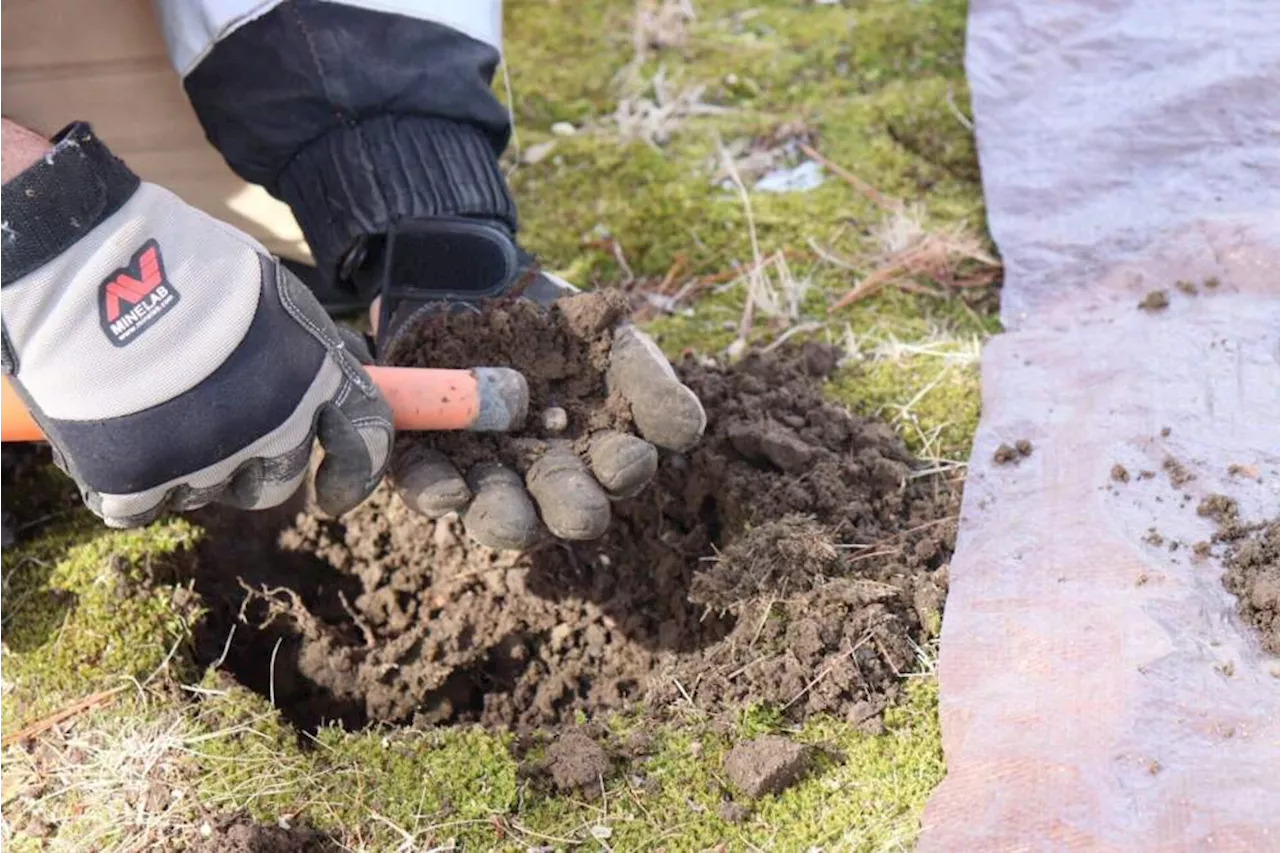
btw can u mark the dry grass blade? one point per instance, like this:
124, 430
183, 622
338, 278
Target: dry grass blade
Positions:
66, 713
852, 180
910, 249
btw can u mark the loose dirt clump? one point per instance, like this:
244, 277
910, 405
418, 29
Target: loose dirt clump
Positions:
1253, 575
1156, 300
1119, 473
1012, 453
576, 763
739, 575
767, 765
562, 352
1222, 509
241, 834
1179, 476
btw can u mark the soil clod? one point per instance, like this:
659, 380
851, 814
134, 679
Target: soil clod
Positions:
1005, 454
1253, 574
1222, 509
1012, 453
576, 763
239, 833
1179, 476
1119, 473
1156, 300
767, 765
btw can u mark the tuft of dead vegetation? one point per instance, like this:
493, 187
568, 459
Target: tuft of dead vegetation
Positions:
951, 256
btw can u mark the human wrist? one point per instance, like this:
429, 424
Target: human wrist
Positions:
72, 185
20, 147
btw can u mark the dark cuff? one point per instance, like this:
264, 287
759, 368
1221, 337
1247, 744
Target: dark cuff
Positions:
59, 199
355, 181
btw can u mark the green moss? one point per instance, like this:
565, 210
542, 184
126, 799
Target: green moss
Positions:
934, 405
79, 616
866, 794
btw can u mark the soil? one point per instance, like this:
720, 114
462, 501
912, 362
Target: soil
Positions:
562, 352
1012, 453
241, 834
767, 765
576, 763
792, 558
1119, 473
1222, 509
1179, 476
1253, 574
1156, 300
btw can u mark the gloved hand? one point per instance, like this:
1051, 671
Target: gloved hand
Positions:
450, 264
169, 360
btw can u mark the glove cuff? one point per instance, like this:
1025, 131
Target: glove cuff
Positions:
60, 198
356, 181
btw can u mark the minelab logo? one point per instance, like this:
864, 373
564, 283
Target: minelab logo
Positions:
133, 298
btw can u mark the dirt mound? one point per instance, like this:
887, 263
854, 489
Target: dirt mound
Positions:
1253, 574
794, 557
239, 833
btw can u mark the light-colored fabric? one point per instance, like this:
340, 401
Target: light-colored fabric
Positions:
192, 27
54, 313
280, 441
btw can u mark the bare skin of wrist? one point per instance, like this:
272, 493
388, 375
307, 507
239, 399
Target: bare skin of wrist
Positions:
19, 148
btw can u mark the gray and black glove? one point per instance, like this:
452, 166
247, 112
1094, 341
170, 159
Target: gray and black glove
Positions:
170, 361
449, 264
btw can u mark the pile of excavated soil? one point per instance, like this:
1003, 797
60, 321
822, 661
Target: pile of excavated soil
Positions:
1251, 564
1253, 573
794, 557
239, 833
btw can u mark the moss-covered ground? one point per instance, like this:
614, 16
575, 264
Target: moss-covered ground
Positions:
673, 118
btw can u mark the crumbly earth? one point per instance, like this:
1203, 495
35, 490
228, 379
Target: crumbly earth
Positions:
576, 763
793, 558
562, 352
1156, 300
239, 833
1253, 574
767, 765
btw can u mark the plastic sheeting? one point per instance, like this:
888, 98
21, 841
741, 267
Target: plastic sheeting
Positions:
1098, 691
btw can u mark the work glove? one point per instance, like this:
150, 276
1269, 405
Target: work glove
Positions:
450, 264
170, 361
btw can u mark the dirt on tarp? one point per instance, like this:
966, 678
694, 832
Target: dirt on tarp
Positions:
1253, 574
794, 557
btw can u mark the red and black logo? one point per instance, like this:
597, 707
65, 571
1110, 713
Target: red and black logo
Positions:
133, 298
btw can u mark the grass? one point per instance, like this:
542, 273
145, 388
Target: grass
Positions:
674, 117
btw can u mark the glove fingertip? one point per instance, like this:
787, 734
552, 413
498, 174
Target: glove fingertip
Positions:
427, 482
623, 463
573, 504
666, 412
348, 473
502, 515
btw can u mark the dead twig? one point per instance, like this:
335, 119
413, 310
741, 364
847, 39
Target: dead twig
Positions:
852, 180
77, 707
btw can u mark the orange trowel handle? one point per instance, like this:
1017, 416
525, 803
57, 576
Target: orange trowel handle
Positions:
491, 399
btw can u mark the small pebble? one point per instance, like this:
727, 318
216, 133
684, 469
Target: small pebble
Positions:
555, 419
563, 128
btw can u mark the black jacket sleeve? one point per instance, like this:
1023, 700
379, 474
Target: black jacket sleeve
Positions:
357, 119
